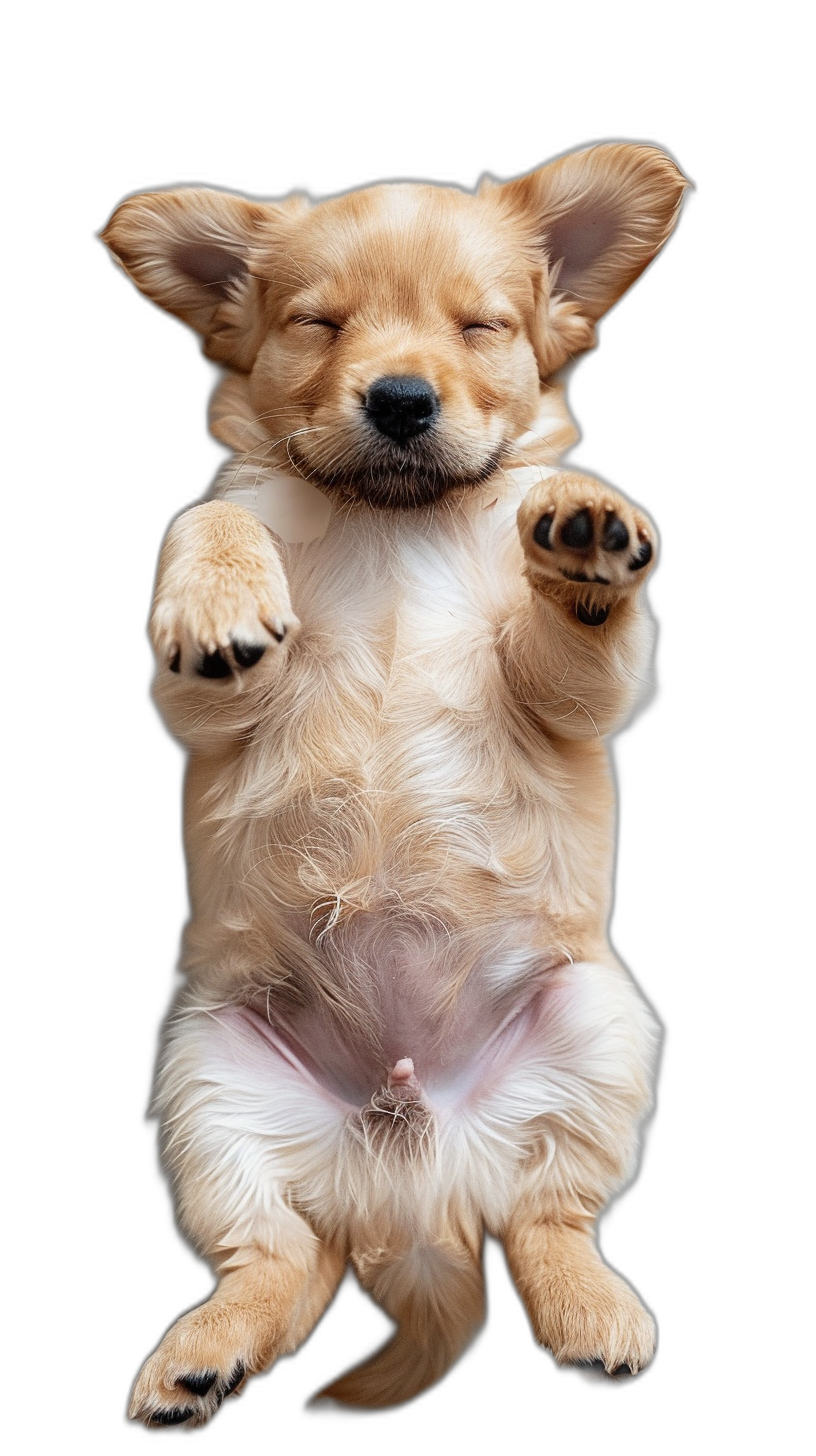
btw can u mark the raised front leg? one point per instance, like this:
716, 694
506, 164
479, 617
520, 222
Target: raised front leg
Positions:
586, 546
577, 648
221, 625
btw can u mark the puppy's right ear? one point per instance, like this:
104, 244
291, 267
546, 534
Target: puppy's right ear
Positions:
190, 252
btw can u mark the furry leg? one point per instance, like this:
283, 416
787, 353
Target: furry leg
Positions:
262, 1308
579, 1307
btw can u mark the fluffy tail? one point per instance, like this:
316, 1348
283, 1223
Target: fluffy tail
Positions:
436, 1294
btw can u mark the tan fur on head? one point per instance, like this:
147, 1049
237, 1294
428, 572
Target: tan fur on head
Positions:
403, 1023
482, 296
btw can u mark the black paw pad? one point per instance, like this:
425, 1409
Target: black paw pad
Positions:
590, 1366
214, 665
579, 531
235, 1379
576, 576
246, 654
643, 557
591, 616
171, 1417
541, 534
615, 535
199, 1382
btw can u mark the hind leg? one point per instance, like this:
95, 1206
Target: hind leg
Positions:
259, 1311
594, 1044
240, 1128
579, 1308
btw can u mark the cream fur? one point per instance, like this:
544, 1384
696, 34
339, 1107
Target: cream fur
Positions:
399, 819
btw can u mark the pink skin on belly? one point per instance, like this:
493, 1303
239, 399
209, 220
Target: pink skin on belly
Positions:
470, 1071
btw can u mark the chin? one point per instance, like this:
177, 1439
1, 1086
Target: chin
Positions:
399, 478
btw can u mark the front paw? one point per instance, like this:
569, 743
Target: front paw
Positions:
221, 638
584, 543
223, 601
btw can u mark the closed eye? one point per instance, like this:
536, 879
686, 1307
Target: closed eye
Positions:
319, 323
485, 326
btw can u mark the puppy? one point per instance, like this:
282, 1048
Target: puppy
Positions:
393, 639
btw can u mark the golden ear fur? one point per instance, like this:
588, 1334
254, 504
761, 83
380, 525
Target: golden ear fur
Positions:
592, 222
598, 218
190, 252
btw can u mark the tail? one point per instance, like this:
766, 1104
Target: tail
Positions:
436, 1294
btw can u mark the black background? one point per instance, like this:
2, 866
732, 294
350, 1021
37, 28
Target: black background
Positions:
638, 405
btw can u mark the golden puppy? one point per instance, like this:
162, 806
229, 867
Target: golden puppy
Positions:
393, 640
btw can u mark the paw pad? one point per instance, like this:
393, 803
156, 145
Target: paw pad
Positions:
598, 1372
213, 664
607, 538
171, 1417
198, 1383
578, 533
209, 1390
241, 655
246, 654
591, 616
615, 536
235, 1378
643, 557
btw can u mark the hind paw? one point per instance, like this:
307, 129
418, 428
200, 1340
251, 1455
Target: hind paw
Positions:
579, 1308
191, 1400
606, 1325
200, 1362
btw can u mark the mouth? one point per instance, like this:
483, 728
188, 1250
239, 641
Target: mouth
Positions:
395, 476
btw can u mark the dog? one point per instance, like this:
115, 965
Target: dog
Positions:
393, 639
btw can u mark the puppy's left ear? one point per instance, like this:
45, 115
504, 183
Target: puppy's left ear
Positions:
600, 217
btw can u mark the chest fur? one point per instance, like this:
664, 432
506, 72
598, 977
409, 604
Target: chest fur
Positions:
393, 770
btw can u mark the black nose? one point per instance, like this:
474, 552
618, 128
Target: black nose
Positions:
401, 405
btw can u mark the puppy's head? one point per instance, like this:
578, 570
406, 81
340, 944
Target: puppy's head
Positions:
396, 338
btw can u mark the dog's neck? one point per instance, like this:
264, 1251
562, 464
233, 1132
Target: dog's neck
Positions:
299, 512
